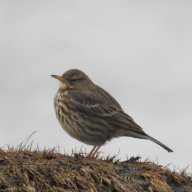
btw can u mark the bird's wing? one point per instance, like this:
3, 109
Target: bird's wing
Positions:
106, 115
95, 101
101, 105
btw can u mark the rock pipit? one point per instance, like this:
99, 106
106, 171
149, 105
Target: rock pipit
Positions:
90, 114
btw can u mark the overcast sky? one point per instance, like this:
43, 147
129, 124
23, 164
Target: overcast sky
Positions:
139, 51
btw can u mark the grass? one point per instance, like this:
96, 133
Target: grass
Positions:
24, 169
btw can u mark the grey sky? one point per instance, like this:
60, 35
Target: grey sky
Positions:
139, 51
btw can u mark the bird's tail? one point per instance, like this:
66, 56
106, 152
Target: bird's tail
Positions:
159, 143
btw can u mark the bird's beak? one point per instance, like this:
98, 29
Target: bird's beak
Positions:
63, 82
60, 78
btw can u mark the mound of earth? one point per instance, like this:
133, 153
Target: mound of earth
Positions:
39, 171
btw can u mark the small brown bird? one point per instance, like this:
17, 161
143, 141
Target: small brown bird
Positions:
90, 114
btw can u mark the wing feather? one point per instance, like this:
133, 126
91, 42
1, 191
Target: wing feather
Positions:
101, 105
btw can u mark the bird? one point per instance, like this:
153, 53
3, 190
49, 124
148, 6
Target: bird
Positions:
91, 115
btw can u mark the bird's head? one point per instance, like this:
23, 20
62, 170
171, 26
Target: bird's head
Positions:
73, 79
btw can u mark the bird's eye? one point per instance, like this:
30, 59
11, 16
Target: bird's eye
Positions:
74, 80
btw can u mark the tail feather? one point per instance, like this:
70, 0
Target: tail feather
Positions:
159, 143
143, 135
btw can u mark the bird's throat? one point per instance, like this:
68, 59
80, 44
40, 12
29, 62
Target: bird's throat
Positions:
63, 86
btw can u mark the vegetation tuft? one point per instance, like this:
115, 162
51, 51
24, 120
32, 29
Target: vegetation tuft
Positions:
40, 171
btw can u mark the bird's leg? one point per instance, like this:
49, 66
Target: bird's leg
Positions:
90, 153
96, 150
93, 151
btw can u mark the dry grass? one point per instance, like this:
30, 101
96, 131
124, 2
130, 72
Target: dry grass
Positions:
30, 171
